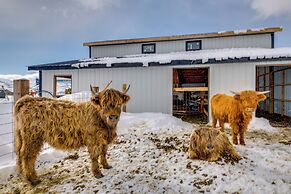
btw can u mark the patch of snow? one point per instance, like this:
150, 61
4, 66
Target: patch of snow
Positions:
49, 155
240, 31
261, 124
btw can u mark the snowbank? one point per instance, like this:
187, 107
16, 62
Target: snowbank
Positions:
77, 97
258, 124
151, 122
261, 124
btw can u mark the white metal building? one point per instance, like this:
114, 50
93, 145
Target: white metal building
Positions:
151, 65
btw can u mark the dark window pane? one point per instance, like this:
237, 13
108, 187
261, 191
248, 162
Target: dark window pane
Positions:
148, 48
193, 45
277, 106
278, 78
288, 108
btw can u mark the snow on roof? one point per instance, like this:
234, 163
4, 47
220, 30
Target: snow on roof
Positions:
203, 55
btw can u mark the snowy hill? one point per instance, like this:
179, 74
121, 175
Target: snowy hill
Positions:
7, 80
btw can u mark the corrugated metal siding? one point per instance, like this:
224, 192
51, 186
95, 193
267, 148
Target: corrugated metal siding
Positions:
232, 77
261, 41
151, 88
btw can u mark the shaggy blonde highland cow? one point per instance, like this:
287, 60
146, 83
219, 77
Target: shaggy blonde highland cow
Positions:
210, 144
66, 125
236, 110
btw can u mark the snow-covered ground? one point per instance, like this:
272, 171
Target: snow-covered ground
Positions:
149, 156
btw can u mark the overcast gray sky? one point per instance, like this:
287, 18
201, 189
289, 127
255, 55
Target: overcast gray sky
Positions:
43, 31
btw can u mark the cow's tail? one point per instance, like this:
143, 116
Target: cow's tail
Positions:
213, 116
18, 141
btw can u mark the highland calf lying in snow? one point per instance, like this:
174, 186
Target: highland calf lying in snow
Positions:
210, 144
236, 110
66, 125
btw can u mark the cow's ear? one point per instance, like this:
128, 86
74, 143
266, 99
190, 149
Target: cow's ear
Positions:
237, 97
193, 139
261, 97
125, 98
95, 99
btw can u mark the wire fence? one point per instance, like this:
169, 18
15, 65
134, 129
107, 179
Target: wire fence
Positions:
7, 153
6, 133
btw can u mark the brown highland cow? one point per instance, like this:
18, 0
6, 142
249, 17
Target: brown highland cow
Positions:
236, 110
210, 144
66, 125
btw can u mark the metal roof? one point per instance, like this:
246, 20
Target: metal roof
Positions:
185, 37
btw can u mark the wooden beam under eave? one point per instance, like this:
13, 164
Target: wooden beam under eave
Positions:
191, 89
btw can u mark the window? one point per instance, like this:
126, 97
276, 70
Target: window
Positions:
193, 45
62, 85
148, 48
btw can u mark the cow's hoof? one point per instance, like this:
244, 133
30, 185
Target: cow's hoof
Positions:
34, 182
107, 166
236, 158
98, 176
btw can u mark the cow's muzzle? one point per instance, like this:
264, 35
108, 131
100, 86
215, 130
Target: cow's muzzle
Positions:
113, 118
250, 109
210, 147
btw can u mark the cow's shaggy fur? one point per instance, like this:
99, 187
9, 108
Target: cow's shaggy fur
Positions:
210, 144
236, 110
65, 125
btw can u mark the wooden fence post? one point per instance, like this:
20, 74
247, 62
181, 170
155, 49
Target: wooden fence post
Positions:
20, 88
123, 90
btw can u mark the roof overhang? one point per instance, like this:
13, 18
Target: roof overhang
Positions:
213, 56
185, 37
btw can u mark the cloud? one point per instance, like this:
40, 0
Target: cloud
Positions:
268, 8
97, 4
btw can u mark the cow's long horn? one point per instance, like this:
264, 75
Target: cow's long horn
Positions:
107, 85
127, 89
264, 92
91, 88
235, 93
